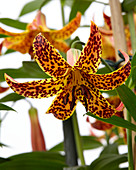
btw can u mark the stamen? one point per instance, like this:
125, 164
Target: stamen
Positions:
73, 98
85, 91
65, 99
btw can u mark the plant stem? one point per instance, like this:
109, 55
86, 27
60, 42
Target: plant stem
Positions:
69, 143
78, 139
129, 142
130, 136
62, 13
132, 30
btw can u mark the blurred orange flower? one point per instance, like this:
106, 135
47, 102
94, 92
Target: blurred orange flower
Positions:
22, 42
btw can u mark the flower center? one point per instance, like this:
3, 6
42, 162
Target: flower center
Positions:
76, 77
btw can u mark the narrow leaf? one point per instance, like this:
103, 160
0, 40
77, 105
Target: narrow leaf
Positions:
117, 121
88, 142
110, 149
79, 5
30, 69
5, 107
133, 62
13, 23
34, 161
4, 36
128, 98
108, 161
32, 6
11, 97
8, 51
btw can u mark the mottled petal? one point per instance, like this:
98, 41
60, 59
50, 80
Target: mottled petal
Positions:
48, 58
94, 102
21, 42
2, 31
58, 44
35, 89
112, 80
89, 58
67, 30
64, 104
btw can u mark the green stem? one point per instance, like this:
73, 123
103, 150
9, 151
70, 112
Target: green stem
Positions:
132, 30
129, 132
129, 143
78, 139
62, 13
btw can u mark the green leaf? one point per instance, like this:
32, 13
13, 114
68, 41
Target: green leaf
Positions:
120, 141
11, 97
88, 142
79, 5
117, 121
103, 70
5, 107
110, 149
9, 51
13, 23
32, 6
133, 62
128, 5
108, 161
128, 98
34, 161
133, 74
30, 69
4, 36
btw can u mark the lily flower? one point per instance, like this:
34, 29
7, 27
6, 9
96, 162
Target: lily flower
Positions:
75, 83
108, 41
37, 138
22, 42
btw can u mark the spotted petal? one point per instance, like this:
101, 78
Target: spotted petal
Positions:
35, 89
48, 58
64, 104
112, 80
19, 41
94, 102
89, 58
61, 45
67, 30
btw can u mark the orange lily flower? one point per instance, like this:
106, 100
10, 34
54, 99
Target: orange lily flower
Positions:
73, 83
108, 42
37, 138
22, 42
